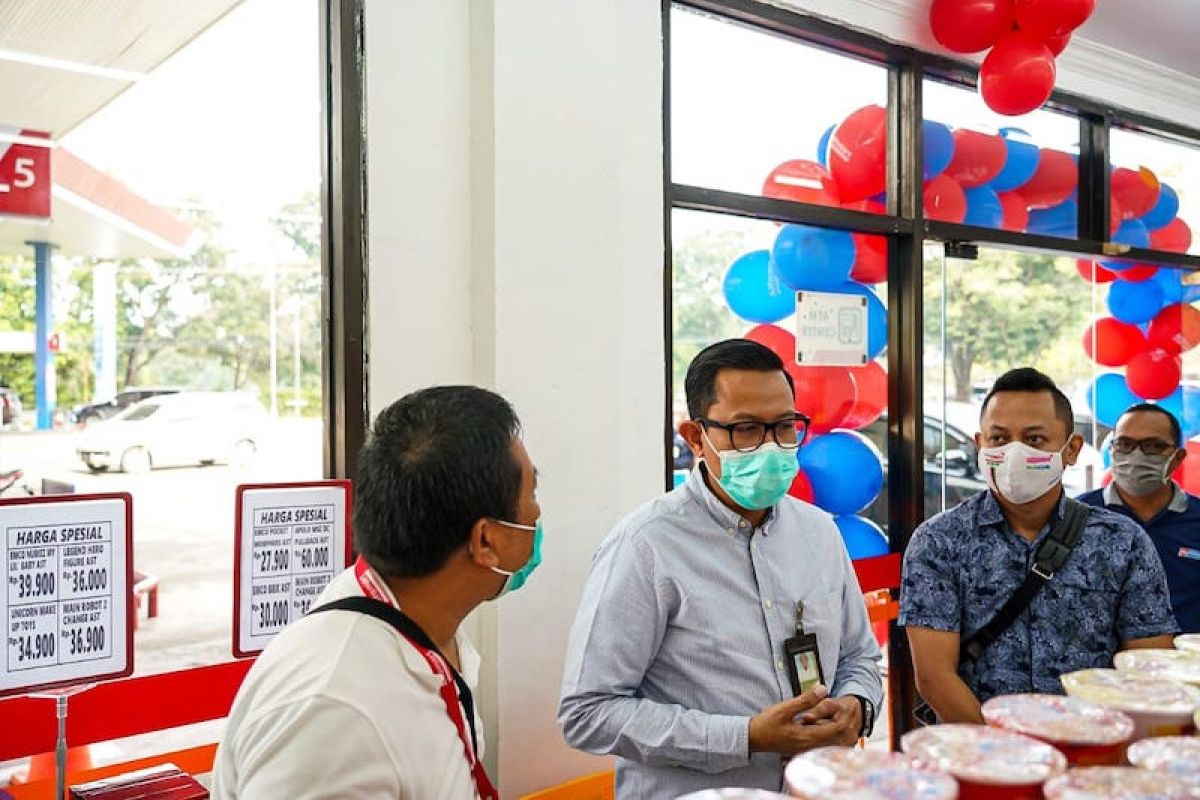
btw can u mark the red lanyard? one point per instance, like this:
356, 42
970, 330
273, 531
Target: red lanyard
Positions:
451, 694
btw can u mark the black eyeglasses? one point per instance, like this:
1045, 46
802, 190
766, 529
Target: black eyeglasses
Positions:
749, 436
1151, 447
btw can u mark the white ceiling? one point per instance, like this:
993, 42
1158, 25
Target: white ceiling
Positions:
128, 35
1164, 32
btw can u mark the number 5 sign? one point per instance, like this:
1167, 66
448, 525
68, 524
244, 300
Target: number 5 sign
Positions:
291, 539
24, 172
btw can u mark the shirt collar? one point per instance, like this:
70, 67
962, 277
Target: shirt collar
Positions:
722, 514
1178, 504
990, 512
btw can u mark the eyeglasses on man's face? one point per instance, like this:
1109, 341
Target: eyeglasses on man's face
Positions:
1152, 446
749, 435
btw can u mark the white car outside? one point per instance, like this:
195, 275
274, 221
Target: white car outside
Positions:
175, 430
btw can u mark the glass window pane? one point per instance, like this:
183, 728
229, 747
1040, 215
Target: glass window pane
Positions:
1156, 190
1015, 173
744, 119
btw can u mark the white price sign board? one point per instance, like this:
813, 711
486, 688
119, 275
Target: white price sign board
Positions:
291, 539
66, 600
831, 329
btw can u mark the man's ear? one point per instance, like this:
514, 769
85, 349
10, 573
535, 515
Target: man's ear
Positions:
480, 544
1074, 447
1180, 455
693, 433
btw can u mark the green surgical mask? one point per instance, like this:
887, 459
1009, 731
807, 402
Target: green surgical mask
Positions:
759, 479
515, 580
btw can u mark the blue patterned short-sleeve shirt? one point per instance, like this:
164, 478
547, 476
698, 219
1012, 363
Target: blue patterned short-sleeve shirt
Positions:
962, 565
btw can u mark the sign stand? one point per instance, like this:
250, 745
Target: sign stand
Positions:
60, 697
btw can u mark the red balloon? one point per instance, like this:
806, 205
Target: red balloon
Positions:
1153, 374
978, 157
1174, 237
1048, 18
1058, 43
870, 252
802, 182
945, 200
1188, 474
871, 382
825, 394
1111, 342
1016, 212
858, 154
780, 342
1116, 215
1018, 75
1138, 273
801, 489
1091, 271
1055, 179
1136, 191
1176, 328
969, 26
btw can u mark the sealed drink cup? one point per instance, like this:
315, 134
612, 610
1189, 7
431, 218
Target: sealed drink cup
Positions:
841, 773
1118, 783
1171, 665
1087, 733
1173, 755
988, 763
733, 794
1188, 641
1157, 707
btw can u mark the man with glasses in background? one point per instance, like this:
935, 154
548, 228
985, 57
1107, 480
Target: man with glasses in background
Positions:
1147, 447
703, 606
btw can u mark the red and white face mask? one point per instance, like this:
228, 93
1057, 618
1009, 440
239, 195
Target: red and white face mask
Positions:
1020, 473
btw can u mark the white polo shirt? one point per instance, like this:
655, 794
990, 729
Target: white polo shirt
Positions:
339, 705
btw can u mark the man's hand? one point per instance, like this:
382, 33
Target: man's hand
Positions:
804, 722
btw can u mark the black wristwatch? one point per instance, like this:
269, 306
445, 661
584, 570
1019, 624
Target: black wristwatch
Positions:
868, 716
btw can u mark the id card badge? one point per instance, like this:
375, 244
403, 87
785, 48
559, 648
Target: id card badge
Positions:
803, 662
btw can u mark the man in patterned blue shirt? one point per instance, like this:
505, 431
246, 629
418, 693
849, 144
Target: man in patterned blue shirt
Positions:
962, 565
677, 662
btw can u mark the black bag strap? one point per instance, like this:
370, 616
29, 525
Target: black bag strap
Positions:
410, 630
1051, 556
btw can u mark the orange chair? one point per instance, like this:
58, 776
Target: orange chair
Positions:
598, 786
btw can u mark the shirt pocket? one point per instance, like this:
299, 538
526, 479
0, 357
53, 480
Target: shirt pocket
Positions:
823, 616
1083, 612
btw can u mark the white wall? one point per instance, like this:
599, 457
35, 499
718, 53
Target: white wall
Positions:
516, 241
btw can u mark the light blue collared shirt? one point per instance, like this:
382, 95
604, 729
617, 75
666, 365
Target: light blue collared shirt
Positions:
678, 641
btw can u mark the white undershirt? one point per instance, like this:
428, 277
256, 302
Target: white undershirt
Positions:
339, 705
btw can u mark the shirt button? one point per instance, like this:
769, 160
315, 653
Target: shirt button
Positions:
768, 603
779, 666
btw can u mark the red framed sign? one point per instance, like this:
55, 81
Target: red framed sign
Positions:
66, 603
290, 540
24, 172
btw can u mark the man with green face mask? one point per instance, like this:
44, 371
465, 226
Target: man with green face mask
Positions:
370, 693
722, 629
1147, 447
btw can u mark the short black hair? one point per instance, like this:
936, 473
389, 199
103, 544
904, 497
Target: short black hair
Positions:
700, 385
1176, 430
436, 462
1028, 379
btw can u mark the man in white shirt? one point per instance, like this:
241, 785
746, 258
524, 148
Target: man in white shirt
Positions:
356, 700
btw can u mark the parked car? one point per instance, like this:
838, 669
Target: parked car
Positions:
178, 429
94, 412
10, 406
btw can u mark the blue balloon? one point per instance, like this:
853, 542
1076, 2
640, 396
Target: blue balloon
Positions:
1164, 210
844, 469
1133, 233
939, 148
876, 317
1059, 220
754, 292
813, 258
863, 538
823, 146
1109, 396
1106, 450
1171, 282
983, 208
1173, 403
1135, 303
1190, 418
1022, 161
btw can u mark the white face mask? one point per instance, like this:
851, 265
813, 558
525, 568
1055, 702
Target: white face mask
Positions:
1019, 472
